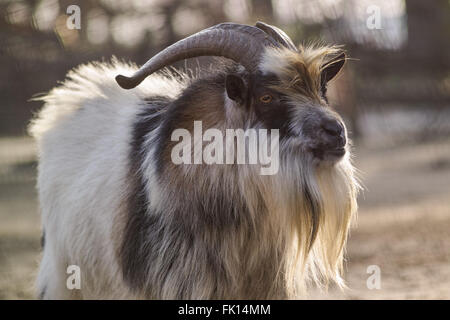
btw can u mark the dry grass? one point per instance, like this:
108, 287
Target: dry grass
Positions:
403, 225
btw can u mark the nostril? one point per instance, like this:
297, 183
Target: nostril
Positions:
332, 127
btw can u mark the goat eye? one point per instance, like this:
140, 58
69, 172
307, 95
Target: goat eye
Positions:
266, 98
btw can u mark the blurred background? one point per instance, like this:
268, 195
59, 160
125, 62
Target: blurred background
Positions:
394, 95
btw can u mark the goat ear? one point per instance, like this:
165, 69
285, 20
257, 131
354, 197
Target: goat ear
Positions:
236, 88
332, 68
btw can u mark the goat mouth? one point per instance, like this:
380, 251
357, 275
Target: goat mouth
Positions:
338, 152
326, 154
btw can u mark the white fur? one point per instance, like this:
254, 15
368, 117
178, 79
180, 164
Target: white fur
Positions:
83, 135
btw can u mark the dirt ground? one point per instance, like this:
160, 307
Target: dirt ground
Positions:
403, 225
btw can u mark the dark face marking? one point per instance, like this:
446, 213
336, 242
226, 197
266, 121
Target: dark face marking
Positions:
270, 106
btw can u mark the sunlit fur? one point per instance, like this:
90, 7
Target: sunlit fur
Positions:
291, 234
299, 72
319, 225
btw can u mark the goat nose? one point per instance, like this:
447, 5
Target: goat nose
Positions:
334, 129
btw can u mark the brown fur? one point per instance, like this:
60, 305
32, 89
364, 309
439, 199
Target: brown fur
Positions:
299, 72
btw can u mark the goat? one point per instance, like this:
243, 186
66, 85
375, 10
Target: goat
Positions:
141, 227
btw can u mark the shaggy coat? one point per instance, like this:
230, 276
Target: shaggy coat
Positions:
140, 227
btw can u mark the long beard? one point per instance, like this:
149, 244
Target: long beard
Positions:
291, 231
310, 208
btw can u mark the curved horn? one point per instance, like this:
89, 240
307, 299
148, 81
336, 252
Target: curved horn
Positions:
241, 43
277, 34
